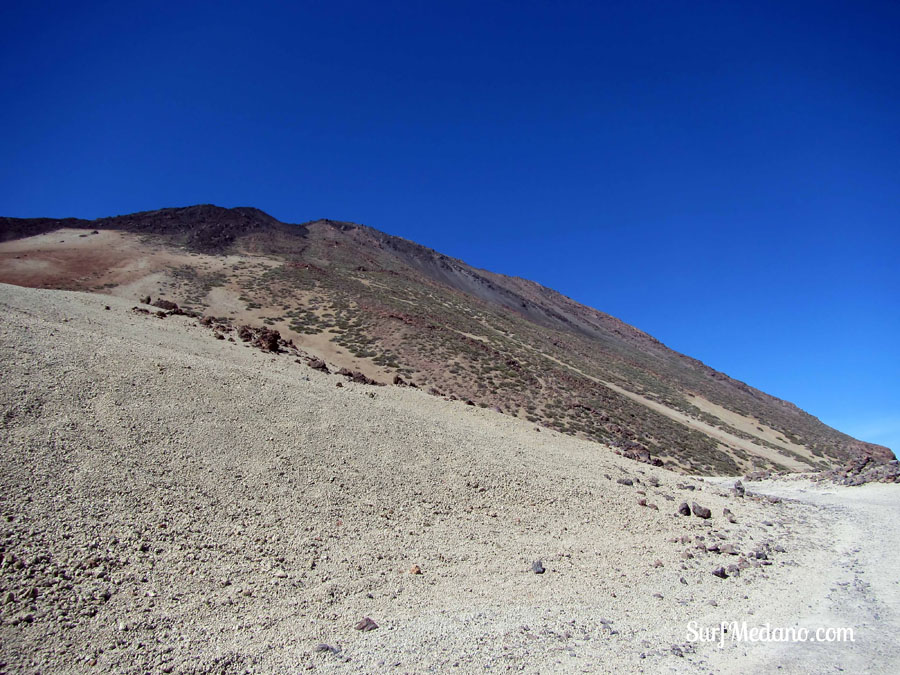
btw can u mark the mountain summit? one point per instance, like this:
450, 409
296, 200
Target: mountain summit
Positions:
397, 311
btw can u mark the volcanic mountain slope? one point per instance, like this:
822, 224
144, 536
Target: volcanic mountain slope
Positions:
365, 300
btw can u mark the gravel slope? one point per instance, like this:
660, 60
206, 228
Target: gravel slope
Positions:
174, 503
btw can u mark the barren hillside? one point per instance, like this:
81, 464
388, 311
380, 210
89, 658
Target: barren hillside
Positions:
361, 299
176, 503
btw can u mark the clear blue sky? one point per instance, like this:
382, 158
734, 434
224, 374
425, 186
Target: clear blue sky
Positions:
725, 176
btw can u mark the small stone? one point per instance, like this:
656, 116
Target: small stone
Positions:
537, 567
700, 511
366, 624
720, 572
415, 569
625, 481
684, 509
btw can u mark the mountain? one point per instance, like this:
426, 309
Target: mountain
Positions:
394, 310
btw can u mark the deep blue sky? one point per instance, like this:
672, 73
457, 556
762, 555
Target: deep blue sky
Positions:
725, 176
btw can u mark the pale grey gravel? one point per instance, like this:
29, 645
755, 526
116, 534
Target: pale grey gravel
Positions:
170, 502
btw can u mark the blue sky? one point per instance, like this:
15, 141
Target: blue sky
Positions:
725, 176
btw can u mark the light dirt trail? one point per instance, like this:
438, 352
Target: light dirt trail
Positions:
856, 584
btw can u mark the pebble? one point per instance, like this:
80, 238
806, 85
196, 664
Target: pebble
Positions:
365, 624
700, 511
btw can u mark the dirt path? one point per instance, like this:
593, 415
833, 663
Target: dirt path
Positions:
856, 583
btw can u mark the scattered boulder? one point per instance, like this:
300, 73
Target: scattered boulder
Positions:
700, 511
167, 305
863, 470
366, 624
625, 481
322, 648
356, 376
537, 567
318, 364
684, 509
268, 340
720, 572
